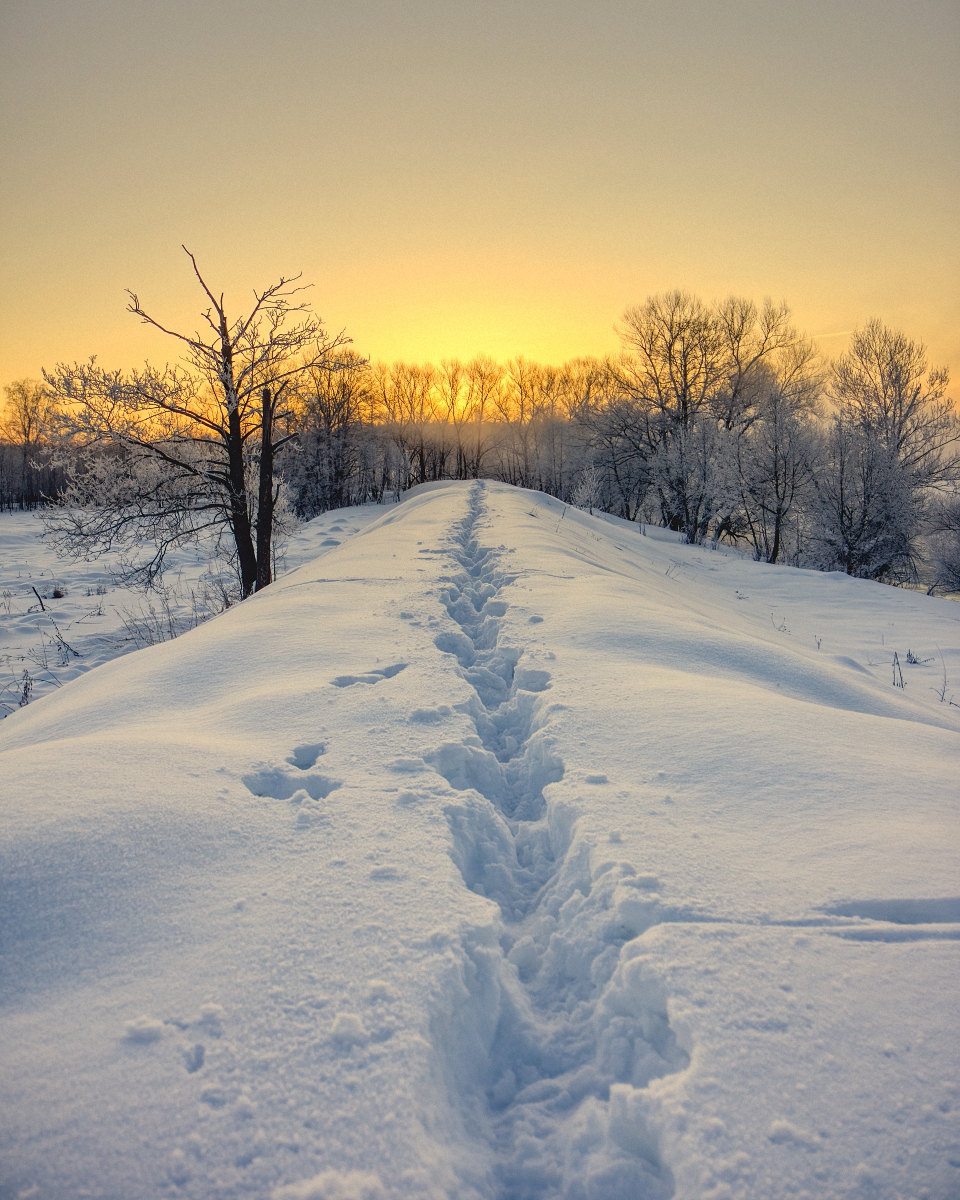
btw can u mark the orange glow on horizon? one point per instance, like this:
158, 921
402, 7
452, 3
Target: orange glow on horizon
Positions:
463, 180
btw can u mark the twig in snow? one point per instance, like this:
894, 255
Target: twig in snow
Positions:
941, 691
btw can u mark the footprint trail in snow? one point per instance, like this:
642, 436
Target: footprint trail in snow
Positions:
579, 1035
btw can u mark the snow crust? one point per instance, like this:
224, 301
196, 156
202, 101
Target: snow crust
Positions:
504, 851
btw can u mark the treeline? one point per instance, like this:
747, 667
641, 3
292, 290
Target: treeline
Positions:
27, 476
373, 430
719, 421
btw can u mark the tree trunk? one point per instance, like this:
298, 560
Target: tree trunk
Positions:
239, 512
265, 499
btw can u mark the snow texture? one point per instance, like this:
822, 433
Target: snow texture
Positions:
58, 619
503, 852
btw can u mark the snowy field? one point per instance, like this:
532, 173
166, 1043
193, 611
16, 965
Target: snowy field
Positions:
59, 618
502, 852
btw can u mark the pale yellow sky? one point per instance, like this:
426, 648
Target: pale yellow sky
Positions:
458, 177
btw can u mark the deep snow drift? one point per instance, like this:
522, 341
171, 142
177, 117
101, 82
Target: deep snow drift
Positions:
502, 852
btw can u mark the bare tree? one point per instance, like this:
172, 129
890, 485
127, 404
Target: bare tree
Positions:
408, 403
883, 385
674, 361
751, 338
774, 466
484, 388
588, 491
776, 450
895, 419
328, 470
520, 404
453, 409
945, 544
173, 451
695, 374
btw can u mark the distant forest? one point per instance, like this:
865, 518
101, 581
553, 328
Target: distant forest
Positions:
721, 422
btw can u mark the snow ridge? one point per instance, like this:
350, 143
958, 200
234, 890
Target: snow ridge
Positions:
560, 1086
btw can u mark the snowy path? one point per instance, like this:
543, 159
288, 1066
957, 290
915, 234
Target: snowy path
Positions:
561, 1036
502, 853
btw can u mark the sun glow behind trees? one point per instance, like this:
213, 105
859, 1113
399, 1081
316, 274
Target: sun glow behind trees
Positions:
717, 421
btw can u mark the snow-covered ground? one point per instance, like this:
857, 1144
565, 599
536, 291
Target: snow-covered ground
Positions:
504, 851
59, 618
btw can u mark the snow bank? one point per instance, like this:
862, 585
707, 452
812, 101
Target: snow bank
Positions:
503, 852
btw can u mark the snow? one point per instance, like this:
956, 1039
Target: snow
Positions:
504, 851
95, 618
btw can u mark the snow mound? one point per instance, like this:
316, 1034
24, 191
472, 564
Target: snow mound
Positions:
508, 852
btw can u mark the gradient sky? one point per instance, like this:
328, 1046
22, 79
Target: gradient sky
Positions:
458, 177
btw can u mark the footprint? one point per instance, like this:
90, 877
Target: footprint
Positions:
215, 1096
304, 757
280, 784
193, 1058
376, 676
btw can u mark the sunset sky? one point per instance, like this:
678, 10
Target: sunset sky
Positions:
463, 177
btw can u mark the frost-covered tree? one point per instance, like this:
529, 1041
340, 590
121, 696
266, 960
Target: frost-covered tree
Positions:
694, 373
893, 443
588, 491
158, 455
774, 469
884, 386
776, 452
619, 447
945, 544
334, 461
863, 519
